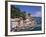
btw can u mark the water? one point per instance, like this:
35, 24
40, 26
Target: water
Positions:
37, 27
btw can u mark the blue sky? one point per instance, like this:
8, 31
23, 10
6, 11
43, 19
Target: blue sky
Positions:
34, 10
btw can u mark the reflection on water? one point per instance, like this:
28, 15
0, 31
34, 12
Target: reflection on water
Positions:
36, 28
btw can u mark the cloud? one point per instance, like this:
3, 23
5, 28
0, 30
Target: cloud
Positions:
37, 14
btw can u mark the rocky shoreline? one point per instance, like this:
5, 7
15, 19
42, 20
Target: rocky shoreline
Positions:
18, 24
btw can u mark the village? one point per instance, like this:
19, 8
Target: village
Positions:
20, 24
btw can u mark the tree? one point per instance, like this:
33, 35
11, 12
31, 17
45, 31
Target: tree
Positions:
29, 14
16, 12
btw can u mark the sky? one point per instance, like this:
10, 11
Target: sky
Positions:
34, 10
